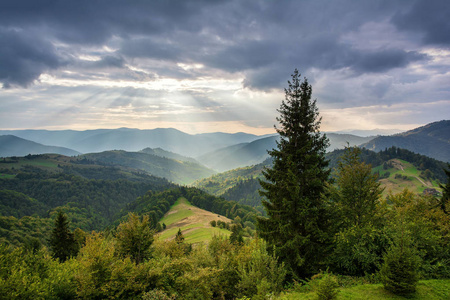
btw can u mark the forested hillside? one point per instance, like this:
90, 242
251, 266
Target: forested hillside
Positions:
432, 140
175, 170
32, 188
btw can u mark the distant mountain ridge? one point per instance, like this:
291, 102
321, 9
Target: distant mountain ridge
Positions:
225, 151
181, 172
11, 145
432, 140
128, 139
247, 154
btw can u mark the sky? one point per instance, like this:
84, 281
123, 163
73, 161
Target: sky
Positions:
212, 65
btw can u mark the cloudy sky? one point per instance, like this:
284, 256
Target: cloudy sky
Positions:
206, 66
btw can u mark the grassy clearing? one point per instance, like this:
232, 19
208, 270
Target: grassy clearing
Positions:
6, 176
438, 289
180, 210
403, 175
193, 222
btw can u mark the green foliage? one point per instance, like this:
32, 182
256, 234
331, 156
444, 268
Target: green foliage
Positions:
297, 216
18, 232
259, 271
327, 289
357, 192
355, 198
157, 294
90, 204
18, 205
34, 275
134, 238
428, 227
236, 234
179, 238
62, 242
358, 250
444, 202
399, 272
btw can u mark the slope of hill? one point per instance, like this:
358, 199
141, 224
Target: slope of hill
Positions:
134, 139
432, 140
167, 154
247, 154
181, 172
41, 184
240, 155
194, 223
396, 175
11, 145
219, 183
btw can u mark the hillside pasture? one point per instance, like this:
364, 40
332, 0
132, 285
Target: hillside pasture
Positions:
401, 174
193, 222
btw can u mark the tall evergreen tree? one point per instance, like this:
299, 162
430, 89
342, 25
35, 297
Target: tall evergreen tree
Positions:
445, 199
296, 226
62, 241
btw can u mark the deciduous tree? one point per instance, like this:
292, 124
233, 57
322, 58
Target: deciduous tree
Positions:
135, 237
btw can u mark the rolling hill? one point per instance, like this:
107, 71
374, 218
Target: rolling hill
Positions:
11, 145
193, 222
247, 154
181, 172
432, 140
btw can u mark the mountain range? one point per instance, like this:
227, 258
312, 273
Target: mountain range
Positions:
129, 139
217, 151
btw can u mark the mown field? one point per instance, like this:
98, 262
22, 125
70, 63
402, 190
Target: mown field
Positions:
193, 222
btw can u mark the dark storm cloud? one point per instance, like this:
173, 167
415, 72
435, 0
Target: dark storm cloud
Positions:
384, 60
264, 40
23, 57
149, 48
429, 18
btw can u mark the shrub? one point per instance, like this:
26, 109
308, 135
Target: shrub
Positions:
327, 289
399, 272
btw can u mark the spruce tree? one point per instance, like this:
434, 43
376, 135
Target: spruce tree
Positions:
62, 242
445, 199
296, 226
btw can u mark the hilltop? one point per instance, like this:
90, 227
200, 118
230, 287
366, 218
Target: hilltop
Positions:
432, 140
11, 145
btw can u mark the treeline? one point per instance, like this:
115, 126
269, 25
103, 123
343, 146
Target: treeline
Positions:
229, 209
421, 162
